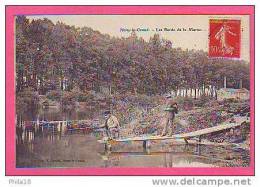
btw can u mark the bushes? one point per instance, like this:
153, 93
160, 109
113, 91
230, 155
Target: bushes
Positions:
54, 95
79, 96
65, 98
27, 99
45, 104
202, 101
186, 103
82, 97
68, 100
231, 100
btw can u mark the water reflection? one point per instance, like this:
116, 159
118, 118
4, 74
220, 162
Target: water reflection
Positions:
41, 145
82, 150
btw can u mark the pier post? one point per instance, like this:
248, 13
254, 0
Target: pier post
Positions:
199, 145
146, 146
186, 144
186, 141
108, 147
105, 144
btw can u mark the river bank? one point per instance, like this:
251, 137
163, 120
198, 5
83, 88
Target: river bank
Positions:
142, 114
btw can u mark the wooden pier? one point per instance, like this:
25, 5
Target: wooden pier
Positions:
184, 136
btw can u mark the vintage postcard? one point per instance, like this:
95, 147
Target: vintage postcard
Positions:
130, 90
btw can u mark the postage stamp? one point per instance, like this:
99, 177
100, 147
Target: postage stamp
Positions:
224, 38
129, 90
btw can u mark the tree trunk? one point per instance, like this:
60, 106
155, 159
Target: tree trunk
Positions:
216, 95
212, 91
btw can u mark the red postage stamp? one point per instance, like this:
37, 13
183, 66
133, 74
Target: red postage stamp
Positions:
224, 38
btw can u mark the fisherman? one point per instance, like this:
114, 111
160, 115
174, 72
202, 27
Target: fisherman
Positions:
111, 125
171, 109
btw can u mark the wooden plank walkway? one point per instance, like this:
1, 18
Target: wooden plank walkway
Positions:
224, 126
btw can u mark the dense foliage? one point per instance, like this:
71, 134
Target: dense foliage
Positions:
54, 57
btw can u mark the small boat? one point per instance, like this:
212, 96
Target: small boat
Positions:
28, 126
46, 125
79, 127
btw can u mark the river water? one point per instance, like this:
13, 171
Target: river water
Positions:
56, 148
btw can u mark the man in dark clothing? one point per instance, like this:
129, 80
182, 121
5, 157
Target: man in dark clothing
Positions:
171, 109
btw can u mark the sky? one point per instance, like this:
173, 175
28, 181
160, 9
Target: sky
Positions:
121, 26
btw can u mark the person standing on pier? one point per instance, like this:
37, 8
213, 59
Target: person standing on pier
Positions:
171, 111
